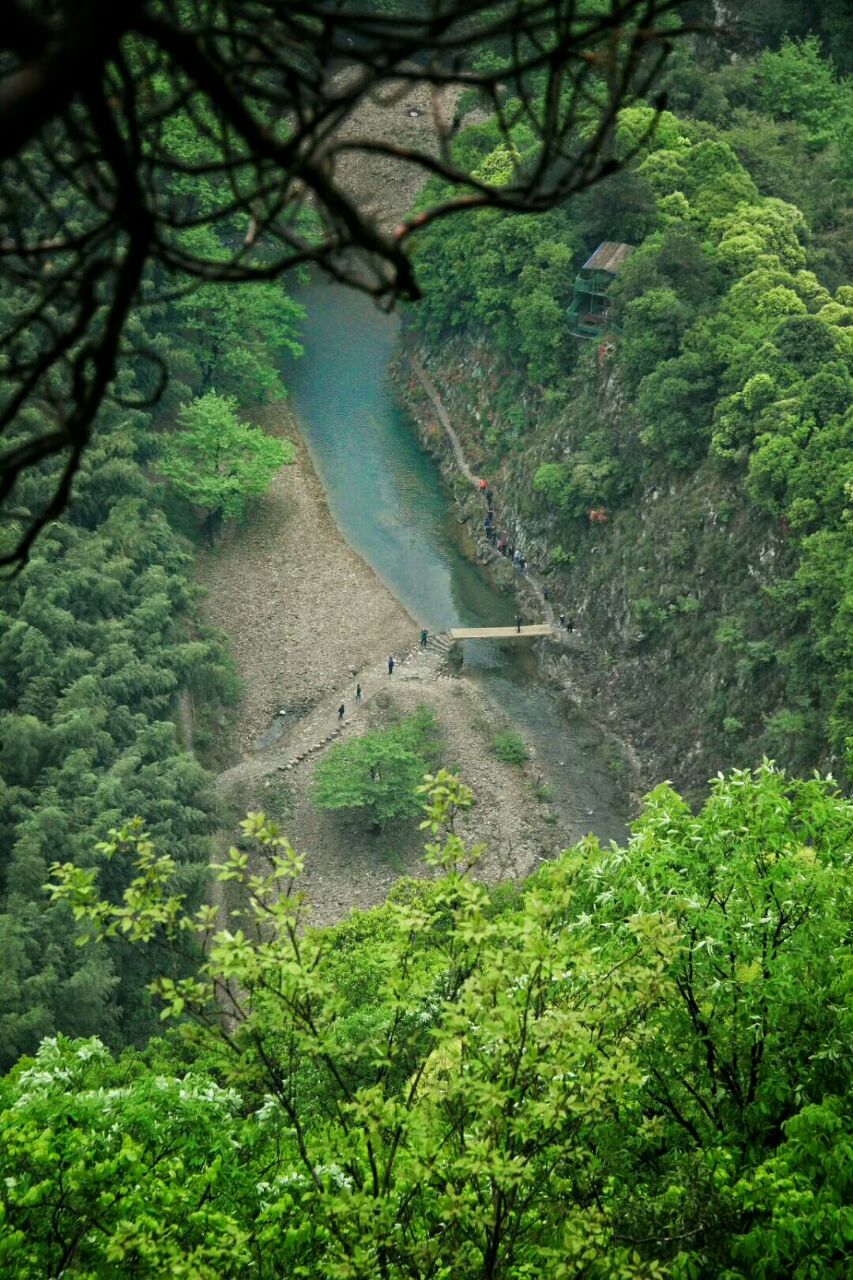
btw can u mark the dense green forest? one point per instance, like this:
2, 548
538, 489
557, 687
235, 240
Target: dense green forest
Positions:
98, 639
113, 692
634, 1065
731, 371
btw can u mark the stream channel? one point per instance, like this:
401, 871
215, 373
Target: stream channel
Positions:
386, 496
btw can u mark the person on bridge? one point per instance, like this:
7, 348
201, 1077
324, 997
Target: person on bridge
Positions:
341, 711
518, 623
424, 636
391, 665
357, 694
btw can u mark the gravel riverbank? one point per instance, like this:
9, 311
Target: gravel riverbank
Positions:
307, 619
301, 609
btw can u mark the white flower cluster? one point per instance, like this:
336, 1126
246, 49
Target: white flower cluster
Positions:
58, 1061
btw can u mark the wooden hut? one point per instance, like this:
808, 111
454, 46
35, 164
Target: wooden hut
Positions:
587, 314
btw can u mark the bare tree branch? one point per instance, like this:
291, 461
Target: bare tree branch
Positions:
98, 208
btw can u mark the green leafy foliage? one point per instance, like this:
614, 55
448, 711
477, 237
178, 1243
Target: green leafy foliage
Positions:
746, 1073
380, 771
490, 1070
232, 331
147, 1162
640, 1055
512, 276
218, 462
797, 83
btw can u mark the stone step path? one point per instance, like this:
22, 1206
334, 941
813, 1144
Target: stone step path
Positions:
321, 727
442, 641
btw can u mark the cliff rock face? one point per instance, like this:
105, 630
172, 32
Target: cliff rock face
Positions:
666, 590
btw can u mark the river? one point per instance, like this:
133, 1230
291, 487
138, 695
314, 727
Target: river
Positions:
386, 496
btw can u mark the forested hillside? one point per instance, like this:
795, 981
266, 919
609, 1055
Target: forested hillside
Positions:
712, 437
97, 644
110, 684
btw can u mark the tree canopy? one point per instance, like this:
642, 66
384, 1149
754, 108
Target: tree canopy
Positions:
632, 1065
380, 771
217, 462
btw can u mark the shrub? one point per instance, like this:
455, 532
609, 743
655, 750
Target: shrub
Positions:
510, 747
648, 615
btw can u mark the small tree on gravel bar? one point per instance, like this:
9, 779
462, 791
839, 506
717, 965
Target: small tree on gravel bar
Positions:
380, 772
217, 462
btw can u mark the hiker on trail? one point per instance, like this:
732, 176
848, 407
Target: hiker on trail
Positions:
518, 623
562, 621
490, 497
511, 551
391, 665
570, 624
546, 593
424, 637
502, 546
357, 694
484, 484
341, 712
522, 564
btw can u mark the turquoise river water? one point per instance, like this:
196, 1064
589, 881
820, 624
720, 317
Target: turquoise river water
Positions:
386, 496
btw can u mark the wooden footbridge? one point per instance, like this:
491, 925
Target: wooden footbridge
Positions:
445, 641
500, 633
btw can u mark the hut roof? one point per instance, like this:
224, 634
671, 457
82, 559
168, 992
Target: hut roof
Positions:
608, 257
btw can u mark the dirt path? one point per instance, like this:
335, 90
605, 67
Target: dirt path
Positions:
438, 404
530, 582
315, 730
